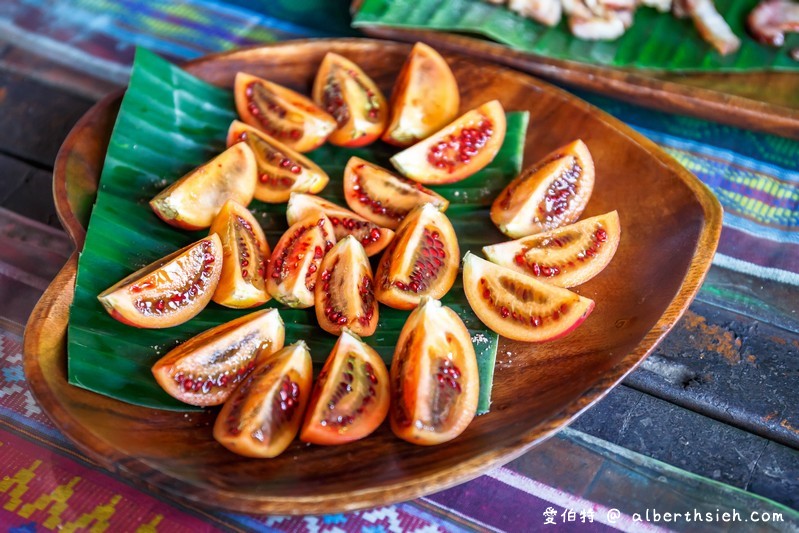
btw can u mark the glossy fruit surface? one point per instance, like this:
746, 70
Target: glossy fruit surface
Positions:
286, 115
518, 306
193, 201
351, 396
294, 265
345, 222
434, 377
281, 170
458, 150
422, 260
382, 197
206, 369
263, 415
169, 291
245, 252
549, 194
424, 100
345, 290
351, 97
566, 256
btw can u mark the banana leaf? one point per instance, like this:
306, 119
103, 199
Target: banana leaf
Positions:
170, 122
656, 40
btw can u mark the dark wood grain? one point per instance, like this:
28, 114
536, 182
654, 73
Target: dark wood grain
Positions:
671, 224
763, 101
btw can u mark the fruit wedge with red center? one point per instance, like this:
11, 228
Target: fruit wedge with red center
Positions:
351, 395
371, 236
424, 100
245, 251
458, 150
422, 260
193, 201
281, 170
434, 379
294, 266
382, 197
518, 306
286, 115
263, 415
206, 369
549, 194
345, 290
566, 256
169, 291
344, 90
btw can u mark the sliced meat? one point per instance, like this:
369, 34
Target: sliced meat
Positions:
664, 6
772, 19
712, 26
546, 12
594, 28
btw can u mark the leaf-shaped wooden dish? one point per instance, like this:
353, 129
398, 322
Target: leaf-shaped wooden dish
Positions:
671, 224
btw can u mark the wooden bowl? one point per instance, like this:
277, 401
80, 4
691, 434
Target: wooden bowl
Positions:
671, 224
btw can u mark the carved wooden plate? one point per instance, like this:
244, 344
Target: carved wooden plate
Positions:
671, 224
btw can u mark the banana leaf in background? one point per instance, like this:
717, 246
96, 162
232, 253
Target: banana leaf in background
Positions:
655, 41
331, 17
170, 122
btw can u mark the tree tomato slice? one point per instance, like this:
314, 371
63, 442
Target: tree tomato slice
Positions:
281, 170
351, 396
434, 379
424, 100
458, 150
263, 415
169, 291
344, 90
206, 369
286, 115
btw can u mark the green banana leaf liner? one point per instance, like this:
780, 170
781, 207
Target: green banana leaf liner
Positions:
169, 123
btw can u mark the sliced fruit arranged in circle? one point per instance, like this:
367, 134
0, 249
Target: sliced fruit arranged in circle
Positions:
281, 170
434, 379
424, 100
422, 260
549, 194
193, 201
345, 91
518, 306
286, 115
169, 291
245, 252
371, 236
206, 369
566, 256
382, 197
345, 291
458, 150
351, 395
263, 415
294, 265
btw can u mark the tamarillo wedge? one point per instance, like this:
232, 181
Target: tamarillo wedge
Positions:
281, 170
458, 150
294, 265
345, 293
344, 90
193, 201
547, 195
566, 256
382, 197
170, 291
285, 115
518, 306
422, 260
263, 415
206, 369
372, 237
424, 100
434, 378
351, 396
245, 251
